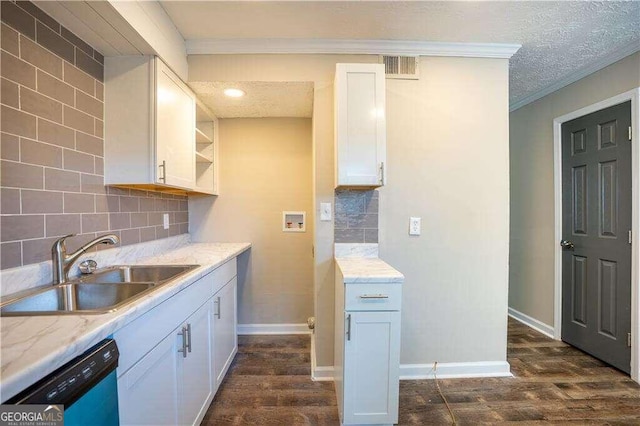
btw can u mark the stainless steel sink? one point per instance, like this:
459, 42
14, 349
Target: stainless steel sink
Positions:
104, 291
77, 298
137, 273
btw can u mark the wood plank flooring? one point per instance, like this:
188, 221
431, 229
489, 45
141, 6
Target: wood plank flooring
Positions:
269, 384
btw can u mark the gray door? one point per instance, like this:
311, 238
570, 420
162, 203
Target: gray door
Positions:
596, 260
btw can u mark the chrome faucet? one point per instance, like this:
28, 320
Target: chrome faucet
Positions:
62, 261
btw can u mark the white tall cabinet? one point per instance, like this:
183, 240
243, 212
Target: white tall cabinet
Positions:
149, 125
360, 126
367, 351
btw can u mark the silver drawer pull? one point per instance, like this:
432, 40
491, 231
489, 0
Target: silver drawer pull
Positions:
374, 296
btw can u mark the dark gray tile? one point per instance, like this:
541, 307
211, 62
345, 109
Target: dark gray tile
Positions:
89, 144
9, 94
18, 123
370, 235
173, 205
79, 79
99, 91
184, 228
53, 41
74, 160
95, 222
184, 205
36, 12
155, 218
129, 204
55, 88
129, 236
98, 57
174, 230
58, 225
76, 41
89, 65
40, 57
107, 203
99, 166
40, 105
93, 184
349, 202
35, 251
114, 190
43, 154
61, 180
56, 134
98, 128
147, 234
10, 255
10, 147
182, 217
161, 232
160, 205
349, 236
78, 120
139, 220
18, 71
340, 221
79, 203
119, 221
21, 227
9, 40
90, 105
371, 201
18, 19
17, 175
369, 221
41, 202
10, 201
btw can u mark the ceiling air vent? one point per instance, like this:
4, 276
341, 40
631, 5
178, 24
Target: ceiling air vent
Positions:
401, 67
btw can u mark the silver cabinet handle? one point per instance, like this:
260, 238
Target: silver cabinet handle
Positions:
374, 296
217, 302
189, 337
349, 327
163, 177
183, 333
567, 244
382, 173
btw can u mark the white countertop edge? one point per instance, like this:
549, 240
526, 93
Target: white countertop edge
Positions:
368, 270
14, 380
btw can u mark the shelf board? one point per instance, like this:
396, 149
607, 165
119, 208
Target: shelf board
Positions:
201, 158
201, 137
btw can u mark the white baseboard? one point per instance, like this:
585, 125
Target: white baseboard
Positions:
455, 370
319, 374
245, 329
537, 325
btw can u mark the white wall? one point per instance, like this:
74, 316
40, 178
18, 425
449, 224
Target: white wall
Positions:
448, 163
531, 280
265, 168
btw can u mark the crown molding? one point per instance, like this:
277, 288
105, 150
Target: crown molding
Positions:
356, 47
580, 73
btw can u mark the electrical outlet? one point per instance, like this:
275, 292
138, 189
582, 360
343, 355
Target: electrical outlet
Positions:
414, 226
325, 211
165, 221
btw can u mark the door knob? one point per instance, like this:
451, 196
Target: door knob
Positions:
566, 244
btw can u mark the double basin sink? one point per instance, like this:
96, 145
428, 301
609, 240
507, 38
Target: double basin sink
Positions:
103, 291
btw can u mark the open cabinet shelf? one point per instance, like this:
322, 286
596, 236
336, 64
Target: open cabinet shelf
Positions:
206, 152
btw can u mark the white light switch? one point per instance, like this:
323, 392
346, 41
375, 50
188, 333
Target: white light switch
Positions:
325, 211
414, 226
165, 220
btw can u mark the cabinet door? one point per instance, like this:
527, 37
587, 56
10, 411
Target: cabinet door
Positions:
195, 384
360, 124
225, 338
175, 129
371, 367
147, 393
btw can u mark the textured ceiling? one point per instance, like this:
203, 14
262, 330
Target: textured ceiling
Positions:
271, 99
558, 38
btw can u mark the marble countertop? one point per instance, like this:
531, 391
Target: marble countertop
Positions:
367, 270
32, 347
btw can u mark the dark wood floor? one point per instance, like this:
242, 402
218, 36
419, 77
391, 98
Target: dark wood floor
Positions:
269, 384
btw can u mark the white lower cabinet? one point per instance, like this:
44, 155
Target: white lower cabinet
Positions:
367, 352
170, 379
225, 338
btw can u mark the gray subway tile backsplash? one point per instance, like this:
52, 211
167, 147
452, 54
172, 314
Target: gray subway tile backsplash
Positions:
52, 170
356, 217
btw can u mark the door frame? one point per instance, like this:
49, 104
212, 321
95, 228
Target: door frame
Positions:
633, 96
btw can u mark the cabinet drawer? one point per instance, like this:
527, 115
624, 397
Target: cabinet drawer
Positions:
224, 273
372, 297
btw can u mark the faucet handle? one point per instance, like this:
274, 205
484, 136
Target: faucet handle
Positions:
88, 266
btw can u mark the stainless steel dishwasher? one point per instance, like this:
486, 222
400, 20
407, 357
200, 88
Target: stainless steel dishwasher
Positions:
86, 386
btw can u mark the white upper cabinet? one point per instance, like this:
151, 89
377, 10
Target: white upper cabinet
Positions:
360, 128
149, 125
